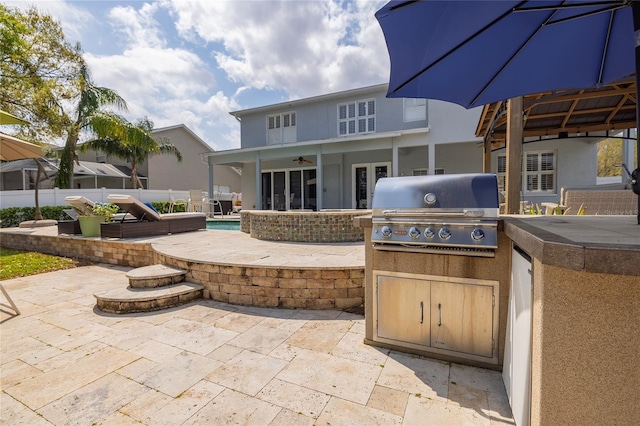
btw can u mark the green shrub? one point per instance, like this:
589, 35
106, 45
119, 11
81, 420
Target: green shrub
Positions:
12, 216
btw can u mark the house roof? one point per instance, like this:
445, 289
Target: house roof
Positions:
605, 109
86, 168
313, 99
188, 130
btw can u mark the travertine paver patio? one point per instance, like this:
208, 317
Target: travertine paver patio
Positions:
64, 363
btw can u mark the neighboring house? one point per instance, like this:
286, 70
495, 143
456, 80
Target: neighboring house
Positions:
165, 172
327, 152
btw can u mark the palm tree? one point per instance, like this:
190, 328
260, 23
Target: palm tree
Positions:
130, 142
90, 106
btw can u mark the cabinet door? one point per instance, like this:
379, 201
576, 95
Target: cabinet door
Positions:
403, 309
462, 317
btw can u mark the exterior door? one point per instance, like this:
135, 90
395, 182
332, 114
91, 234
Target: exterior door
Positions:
364, 179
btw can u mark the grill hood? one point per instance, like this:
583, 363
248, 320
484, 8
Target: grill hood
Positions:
452, 192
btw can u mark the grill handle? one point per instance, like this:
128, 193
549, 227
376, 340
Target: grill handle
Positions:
422, 213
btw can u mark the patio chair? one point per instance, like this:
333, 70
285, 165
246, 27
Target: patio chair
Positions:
148, 221
178, 202
196, 200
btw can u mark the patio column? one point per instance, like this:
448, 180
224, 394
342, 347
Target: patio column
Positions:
319, 183
432, 158
211, 179
394, 158
486, 156
258, 182
514, 155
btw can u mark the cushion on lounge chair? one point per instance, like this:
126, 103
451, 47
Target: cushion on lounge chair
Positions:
149, 222
141, 211
134, 207
83, 205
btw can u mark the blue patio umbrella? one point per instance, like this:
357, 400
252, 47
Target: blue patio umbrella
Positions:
475, 52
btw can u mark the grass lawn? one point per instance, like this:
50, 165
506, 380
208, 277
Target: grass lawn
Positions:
17, 263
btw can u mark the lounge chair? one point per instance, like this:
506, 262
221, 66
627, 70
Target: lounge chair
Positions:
148, 221
81, 206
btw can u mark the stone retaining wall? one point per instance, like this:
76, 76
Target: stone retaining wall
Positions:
94, 249
298, 226
276, 287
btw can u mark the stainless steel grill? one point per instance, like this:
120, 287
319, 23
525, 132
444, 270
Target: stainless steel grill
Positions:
453, 214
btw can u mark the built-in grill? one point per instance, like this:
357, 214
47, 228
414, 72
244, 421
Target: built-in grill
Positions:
453, 214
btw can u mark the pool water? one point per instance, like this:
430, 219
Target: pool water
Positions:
226, 225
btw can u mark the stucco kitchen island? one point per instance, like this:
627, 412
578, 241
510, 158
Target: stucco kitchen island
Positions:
584, 316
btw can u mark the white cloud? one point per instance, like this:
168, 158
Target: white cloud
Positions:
304, 47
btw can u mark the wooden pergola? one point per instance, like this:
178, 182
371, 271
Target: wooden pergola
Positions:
609, 108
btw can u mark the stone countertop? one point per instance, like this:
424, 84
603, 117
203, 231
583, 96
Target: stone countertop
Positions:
598, 244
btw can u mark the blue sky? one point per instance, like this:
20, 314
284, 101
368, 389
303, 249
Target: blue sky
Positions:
192, 61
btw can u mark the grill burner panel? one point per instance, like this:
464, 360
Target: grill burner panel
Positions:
442, 234
426, 213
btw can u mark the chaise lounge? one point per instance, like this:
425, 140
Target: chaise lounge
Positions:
148, 221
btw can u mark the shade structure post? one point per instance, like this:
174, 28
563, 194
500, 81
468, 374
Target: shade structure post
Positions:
513, 181
635, 7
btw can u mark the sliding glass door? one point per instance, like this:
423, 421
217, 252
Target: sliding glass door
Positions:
293, 189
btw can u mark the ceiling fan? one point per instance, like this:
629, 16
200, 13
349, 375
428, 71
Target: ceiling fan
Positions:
302, 160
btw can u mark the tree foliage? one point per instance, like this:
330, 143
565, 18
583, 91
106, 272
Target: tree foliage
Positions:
130, 142
89, 109
39, 70
609, 154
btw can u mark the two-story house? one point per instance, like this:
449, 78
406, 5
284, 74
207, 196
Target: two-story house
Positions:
327, 152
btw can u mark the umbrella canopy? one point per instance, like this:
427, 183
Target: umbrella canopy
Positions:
12, 148
6, 118
477, 52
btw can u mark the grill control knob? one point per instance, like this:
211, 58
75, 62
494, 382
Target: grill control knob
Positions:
444, 233
429, 233
386, 231
477, 234
430, 199
414, 233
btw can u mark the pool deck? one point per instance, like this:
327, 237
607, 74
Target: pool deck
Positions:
206, 362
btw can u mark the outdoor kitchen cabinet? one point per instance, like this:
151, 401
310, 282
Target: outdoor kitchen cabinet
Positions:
443, 315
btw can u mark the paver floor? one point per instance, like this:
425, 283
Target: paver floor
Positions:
63, 362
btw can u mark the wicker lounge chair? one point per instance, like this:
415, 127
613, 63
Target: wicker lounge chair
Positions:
147, 221
81, 206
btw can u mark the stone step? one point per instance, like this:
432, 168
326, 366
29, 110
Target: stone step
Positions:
154, 276
128, 300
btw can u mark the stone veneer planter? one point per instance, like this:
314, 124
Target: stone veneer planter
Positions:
326, 226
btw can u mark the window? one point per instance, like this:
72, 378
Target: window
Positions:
539, 173
357, 117
281, 128
502, 173
415, 109
425, 172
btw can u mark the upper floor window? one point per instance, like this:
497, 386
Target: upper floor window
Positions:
281, 128
357, 117
539, 172
414, 109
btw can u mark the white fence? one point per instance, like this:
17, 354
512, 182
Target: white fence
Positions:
55, 197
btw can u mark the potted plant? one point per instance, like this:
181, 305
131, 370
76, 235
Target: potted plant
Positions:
90, 220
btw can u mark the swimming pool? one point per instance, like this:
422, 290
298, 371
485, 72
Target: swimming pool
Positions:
226, 225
